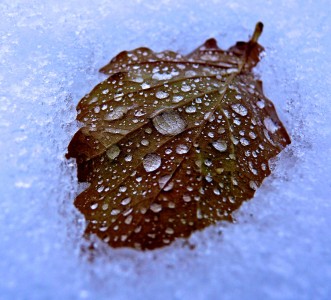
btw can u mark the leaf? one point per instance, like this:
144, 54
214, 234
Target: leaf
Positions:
172, 143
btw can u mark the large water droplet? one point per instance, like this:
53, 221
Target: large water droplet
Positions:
270, 125
177, 98
113, 152
169, 123
165, 184
185, 88
190, 109
126, 201
151, 162
182, 149
155, 207
161, 95
116, 114
162, 76
220, 145
239, 109
244, 142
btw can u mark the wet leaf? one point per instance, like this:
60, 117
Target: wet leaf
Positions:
171, 144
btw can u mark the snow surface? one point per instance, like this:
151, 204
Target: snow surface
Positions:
50, 53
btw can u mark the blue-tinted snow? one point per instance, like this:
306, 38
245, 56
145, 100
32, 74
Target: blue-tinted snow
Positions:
50, 51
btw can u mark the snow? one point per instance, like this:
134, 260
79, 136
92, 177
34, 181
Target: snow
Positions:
50, 53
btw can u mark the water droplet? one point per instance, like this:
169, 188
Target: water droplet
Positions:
144, 142
220, 145
126, 201
115, 212
182, 149
116, 114
151, 162
97, 109
156, 207
128, 220
169, 123
93, 100
169, 230
260, 104
251, 168
221, 130
139, 113
216, 191
118, 96
185, 88
208, 162
239, 109
148, 130
113, 152
177, 99
187, 198
244, 142
128, 158
252, 135
122, 189
138, 79
161, 95
190, 109
253, 185
165, 184
145, 86
94, 206
270, 125
162, 76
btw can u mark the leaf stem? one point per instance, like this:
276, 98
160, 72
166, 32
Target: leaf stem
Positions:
257, 32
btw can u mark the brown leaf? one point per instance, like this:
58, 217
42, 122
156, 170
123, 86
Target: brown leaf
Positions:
172, 143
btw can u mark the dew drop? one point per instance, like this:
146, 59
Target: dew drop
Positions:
115, 212
187, 198
253, 185
190, 109
169, 123
270, 125
128, 158
116, 114
185, 88
239, 109
113, 152
220, 145
94, 206
126, 201
244, 142
162, 76
252, 135
260, 104
161, 95
182, 149
144, 142
128, 220
145, 86
122, 188
151, 162
155, 207
169, 231
139, 113
177, 99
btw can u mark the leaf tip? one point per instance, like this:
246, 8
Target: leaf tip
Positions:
257, 32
